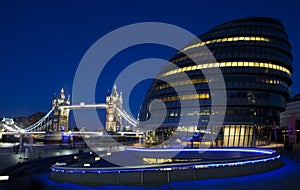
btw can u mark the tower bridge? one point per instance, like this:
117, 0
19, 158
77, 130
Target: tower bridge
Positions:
57, 119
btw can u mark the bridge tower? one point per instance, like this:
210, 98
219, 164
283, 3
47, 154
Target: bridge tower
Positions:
60, 118
113, 118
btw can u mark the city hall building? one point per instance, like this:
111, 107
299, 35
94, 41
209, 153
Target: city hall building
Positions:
254, 56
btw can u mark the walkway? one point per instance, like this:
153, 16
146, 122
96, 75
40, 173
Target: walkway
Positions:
286, 177
9, 158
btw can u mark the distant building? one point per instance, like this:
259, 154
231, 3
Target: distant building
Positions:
290, 120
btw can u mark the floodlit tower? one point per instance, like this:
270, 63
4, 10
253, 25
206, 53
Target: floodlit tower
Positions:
60, 116
113, 118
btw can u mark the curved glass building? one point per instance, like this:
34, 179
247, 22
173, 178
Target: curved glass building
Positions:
254, 57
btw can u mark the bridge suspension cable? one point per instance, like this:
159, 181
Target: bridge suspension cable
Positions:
38, 123
127, 117
84, 106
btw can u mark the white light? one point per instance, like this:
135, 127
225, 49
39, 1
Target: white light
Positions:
108, 154
86, 165
97, 158
4, 178
60, 164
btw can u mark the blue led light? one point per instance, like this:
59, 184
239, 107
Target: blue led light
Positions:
251, 150
70, 170
63, 169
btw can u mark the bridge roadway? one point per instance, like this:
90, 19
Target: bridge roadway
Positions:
85, 106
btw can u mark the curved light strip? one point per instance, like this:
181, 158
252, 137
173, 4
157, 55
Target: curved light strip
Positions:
252, 150
229, 39
192, 166
227, 64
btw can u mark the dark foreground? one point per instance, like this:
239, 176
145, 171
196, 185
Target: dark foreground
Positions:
286, 177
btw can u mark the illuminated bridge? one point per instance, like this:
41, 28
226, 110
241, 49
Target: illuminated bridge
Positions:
56, 121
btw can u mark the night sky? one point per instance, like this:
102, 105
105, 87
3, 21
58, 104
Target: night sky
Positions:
42, 42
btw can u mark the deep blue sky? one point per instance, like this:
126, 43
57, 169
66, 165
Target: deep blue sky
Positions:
42, 42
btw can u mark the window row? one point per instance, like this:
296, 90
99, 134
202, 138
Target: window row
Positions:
228, 39
185, 97
231, 82
227, 64
181, 83
242, 30
233, 52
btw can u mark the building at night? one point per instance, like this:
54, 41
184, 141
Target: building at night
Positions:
254, 56
290, 121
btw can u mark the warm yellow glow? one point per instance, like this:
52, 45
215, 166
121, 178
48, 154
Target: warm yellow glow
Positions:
228, 64
182, 83
274, 81
230, 39
156, 160
186, 97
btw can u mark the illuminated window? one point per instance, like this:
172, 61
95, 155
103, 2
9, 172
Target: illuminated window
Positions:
181, 83
211, 65
185, 97
229, 39
222, 64
228, 64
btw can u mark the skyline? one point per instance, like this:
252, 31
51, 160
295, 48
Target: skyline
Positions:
42, 43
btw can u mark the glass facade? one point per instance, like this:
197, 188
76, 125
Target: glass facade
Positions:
255, 58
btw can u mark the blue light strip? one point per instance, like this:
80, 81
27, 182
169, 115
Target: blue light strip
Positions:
252, 150
237, 163
194, 166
